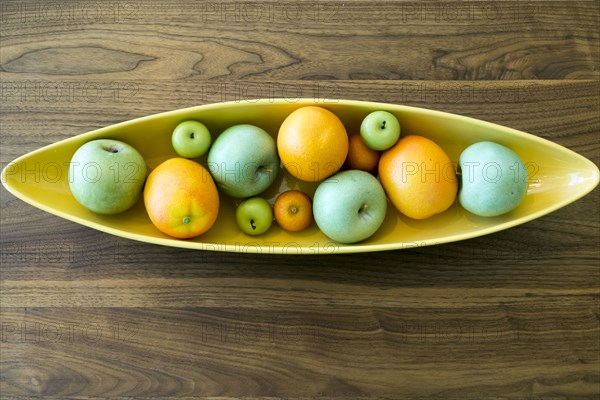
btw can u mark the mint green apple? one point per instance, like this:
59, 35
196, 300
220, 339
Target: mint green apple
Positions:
493, 177
191, 139
243, 161
349, 206
107, 176
380, 130
254, 216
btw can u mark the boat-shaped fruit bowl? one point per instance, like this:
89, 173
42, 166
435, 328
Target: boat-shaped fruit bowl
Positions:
557, 177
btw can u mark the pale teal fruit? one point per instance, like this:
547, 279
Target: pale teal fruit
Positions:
243, 160
107, 176
350, 206
494, 179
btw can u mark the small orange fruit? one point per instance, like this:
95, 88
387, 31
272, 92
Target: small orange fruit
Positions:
181, 198
312, 143
361, 156
293, 210
418, 177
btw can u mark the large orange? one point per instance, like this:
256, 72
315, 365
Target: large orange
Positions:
418, 177
181, 198
312, 143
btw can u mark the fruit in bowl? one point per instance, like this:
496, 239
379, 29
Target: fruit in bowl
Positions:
106, 176
191, 139
293, 210
254, 216
312, 143
243, 160
418, 177
181, 198
380, 130
350, 206
360, 156
494, 179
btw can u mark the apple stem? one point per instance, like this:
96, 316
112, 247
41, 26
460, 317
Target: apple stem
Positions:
191, 135
112, 149
383, 125
252, 224
363, 208
187, 220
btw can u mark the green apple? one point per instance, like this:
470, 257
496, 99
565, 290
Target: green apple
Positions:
191, 139
243, 160
493, 177
380, 130
254, 216
349, 206
107, 176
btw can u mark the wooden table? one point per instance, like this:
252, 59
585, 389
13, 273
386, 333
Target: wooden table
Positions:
512, 315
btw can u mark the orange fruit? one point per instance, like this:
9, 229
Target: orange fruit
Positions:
361, 156
181, 198
293, 210
418, 177
312, 143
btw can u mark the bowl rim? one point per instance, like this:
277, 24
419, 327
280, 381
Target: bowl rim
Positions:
338, 247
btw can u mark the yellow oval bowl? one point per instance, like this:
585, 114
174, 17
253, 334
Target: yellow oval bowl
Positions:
558, 176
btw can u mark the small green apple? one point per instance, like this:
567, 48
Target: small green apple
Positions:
494, 179
191, 139
243, 160
380, 130
107, 176
254, 216
349, 206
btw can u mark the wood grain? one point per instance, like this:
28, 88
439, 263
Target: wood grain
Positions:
513, 315
301, 352
303, 40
